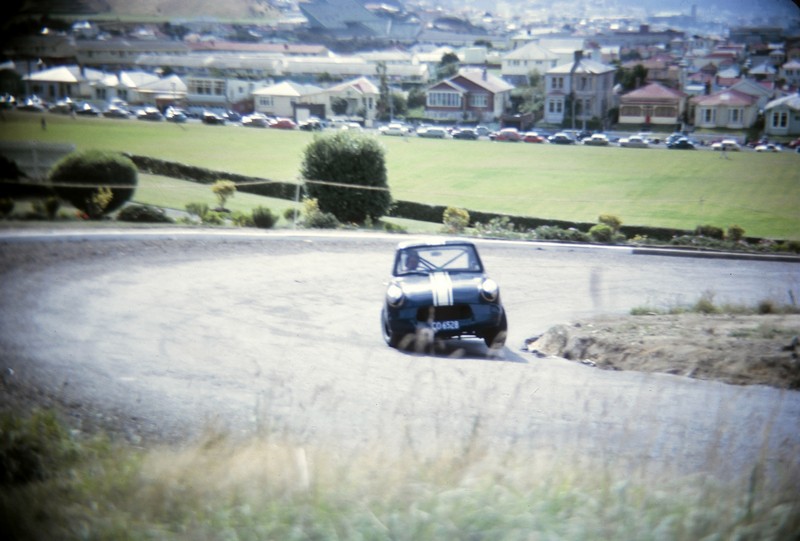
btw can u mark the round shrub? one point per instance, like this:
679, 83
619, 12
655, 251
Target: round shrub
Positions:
94, 181
710, 231
143, 214
455, 219
601, 233
348, 159
263, 218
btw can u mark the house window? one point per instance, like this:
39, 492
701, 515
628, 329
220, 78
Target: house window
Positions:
219, 88
479, 101
780, 119
708, 115
265, 101
735, 116
557, 83
443, 99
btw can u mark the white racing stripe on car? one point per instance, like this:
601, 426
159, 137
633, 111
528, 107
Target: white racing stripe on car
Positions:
442, 288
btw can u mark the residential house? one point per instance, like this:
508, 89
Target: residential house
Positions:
790, 72
281, 99
589, 83
62, 82
653, 104
517, 65
763, 92
360, 96
220, 93
471, 95
729, 109
782, 116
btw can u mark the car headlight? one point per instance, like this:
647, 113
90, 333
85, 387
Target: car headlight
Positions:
490, 290
394, 295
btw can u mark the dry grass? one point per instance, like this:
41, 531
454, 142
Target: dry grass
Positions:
265, 488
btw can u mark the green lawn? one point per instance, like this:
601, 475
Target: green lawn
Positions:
682, 189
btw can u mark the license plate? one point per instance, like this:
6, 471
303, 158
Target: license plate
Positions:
445, 326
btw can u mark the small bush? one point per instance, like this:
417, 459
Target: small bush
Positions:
290, 213
735, 233
105, 175
314, 218
143, 214
611, 221
455, 220
705, 304
213, 217
549, 232
197, 209
263, 218
241, 219
601, 233
709, 231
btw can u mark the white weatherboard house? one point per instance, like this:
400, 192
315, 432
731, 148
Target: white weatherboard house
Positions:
782, 116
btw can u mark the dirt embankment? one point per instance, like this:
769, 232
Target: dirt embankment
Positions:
736, 349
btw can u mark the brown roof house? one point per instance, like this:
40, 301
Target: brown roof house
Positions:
730, 109
653, 104
471, 95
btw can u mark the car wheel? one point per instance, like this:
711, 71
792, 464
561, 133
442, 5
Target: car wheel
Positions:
389, 336
496, 338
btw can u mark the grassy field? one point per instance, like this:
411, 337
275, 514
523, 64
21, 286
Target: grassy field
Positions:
681, 189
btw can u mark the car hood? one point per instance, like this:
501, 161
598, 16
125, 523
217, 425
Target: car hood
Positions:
441, 288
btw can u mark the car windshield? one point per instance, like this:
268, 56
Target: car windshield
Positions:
426, 259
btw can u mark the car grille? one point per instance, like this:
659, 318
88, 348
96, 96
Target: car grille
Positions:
445, 313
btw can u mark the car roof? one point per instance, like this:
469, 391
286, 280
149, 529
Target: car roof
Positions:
434, 242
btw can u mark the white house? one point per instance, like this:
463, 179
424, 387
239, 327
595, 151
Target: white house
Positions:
790, 72
517, 65
782, 116
729, 109
591, 83
281, 99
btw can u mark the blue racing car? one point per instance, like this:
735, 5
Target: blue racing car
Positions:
439, 290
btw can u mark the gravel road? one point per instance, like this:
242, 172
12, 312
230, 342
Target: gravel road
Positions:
163, 335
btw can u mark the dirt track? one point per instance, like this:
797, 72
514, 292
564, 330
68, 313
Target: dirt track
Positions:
158, 338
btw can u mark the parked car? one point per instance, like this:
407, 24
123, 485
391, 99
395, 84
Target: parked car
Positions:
283, 124
255, 120
63, 107
440, 290
395, 129
533, 137
681, 144
562, 138
115, 111
466, 133
311, 124
482, 131
597, 139
87, 109
794, 144
768, 147
634, 141
149, 113
508, 134
727, 145
174, 114
212, 119
433, 132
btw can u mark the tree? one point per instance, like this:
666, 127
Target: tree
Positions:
345, 158
339, 106
384, 106
631, 78
224, 190
448, 65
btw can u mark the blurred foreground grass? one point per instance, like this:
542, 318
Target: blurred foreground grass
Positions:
268, 488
